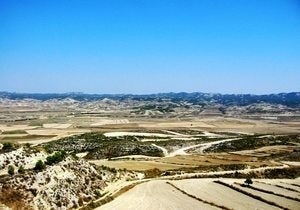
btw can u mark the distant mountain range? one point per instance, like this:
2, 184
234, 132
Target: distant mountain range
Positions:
288, 99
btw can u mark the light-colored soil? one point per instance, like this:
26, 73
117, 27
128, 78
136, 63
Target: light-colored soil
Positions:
176, 124
155, 195
53, 131
276, 189
17, 127
59, 133
291, 163
57, 126
116, 134
285, 183
82, 154
206, 189
202, 147
287, 203
3, 207
221, 124
109, 122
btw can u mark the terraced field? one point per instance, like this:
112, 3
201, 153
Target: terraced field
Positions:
207, 194
270, 193
155, 195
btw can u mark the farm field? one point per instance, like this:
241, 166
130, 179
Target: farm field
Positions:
155, 195
197, 193
271, 193
121, 156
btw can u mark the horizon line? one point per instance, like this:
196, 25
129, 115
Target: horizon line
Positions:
141, 94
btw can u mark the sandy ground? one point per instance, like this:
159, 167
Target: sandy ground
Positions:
287, 203
17, 127
116, 134
175, 133
59, 133
285, 183
3, 207
57, 126
155, 195
177, 124
206, 189
109, 122
231, 125
291, 163
275, 189
82, 154
203, 146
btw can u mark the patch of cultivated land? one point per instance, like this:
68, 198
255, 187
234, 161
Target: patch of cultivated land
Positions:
272, 195
57, 125
212, 159
136, 165
291, 184
206, 194
266, 151
276, 188
167, 140
207, 190
109, 122
155, 195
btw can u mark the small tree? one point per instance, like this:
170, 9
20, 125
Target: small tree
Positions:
56, 157
40, 165
21, 169
11, 170
7, 147
248, 181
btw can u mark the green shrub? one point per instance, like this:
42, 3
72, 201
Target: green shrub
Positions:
21, 169
248, 181
7, 147
152, 173
40, 165
11, 170
56, 158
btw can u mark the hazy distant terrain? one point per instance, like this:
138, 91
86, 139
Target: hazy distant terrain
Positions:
173, 150
288, 99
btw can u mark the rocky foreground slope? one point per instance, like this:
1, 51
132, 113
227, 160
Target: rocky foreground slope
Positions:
69, 184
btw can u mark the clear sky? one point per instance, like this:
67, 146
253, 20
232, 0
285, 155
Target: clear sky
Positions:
149, 46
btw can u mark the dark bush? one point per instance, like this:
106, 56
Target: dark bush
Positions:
56, 158
40, 165
8, 147
11, 170
21, 169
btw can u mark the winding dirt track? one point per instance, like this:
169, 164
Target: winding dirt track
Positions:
203, 146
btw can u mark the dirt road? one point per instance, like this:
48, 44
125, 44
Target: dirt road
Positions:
203, 146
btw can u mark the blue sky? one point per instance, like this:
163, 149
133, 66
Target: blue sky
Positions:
149, 46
